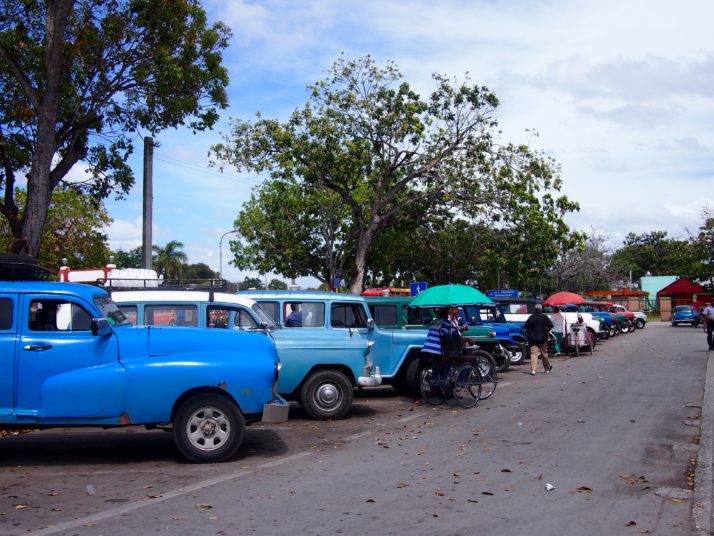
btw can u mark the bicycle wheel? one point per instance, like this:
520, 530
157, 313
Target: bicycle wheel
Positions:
487, 368
432, 388
467, 385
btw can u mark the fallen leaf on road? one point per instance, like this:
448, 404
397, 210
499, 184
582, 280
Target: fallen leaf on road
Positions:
506, 471
57, 509
584, 489
439, 493
456, 474
486, 493
644, 531
54, 494
676, 500
90, 524
153, 496
212, 518
205, 506
402, 485
370, 500
472, 500
540, 477
20, 506
631, 523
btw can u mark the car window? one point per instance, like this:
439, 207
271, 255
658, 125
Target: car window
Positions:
171, 315
303, 314
110, 310
129, 312
348, 315
272, 308
5, 313
221, 316
384, 315
58, 315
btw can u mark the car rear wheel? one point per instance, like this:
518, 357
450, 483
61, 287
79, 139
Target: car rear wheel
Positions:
639, 323
327, 394
208, 429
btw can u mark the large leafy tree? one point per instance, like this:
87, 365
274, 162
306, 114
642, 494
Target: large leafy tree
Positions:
170, 260
654, 252
368, 138
79, 78
73, 231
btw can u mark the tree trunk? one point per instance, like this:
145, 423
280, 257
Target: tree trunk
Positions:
39, 188
360, 265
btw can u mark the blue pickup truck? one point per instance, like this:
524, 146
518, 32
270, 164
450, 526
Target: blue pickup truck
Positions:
69, 357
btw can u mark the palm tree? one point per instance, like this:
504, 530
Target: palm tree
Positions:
170, 259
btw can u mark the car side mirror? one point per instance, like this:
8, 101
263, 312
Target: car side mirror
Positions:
100, 327
370, 323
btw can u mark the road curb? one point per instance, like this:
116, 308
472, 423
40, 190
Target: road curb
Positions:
703, 479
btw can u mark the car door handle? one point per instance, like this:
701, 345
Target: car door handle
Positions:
38, 347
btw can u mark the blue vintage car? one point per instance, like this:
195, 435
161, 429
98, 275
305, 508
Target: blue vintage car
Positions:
69, 357
683, 314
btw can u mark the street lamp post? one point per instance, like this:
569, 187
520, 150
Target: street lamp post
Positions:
220, 252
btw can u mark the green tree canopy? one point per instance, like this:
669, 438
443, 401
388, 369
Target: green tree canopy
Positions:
169, 260
367, 138
73, 231
80, 78
251, 283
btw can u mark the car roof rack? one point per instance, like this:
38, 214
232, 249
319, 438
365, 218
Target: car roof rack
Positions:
22, 268
112, 283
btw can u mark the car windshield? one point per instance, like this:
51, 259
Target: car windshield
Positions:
683, 309
110, 311
264, 317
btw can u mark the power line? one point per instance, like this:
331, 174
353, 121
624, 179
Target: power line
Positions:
202, 169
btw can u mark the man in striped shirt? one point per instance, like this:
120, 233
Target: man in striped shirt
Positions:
440, 327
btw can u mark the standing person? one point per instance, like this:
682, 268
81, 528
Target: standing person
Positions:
537, 328
708, 317
558, 328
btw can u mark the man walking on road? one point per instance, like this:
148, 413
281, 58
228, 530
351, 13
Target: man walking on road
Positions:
708, 315
537, 328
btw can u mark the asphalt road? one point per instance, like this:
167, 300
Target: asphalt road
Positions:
615, 434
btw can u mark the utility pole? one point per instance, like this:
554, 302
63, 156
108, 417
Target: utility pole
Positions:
148, 200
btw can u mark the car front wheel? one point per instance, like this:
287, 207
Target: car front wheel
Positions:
327, 394
208, 429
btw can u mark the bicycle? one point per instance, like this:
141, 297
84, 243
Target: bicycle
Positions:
448, 378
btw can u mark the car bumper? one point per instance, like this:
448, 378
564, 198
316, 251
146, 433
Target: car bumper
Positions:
276, 411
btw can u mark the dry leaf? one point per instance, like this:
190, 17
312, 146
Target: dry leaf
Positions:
486, 493
585, 489
631, 523
20, 506
644, 531
472, 500
54, 494
675, 499
456, 474
90, 524
57, 509
204, 505
506, 471
402, 485
439, 493
212, 518
153, 496
370, 500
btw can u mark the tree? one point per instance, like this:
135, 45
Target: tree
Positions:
198, 271
369, 139
584, 268
79, 78
655, 253
251, 283
293, 230
133, 258
169, 260
73, 231
277, 284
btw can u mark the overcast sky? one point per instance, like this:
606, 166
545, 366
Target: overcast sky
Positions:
620, 93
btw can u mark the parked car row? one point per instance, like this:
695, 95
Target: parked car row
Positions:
204, 364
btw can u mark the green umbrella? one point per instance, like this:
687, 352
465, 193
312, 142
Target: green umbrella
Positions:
442, 295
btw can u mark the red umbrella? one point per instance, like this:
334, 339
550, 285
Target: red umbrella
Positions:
564, 298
